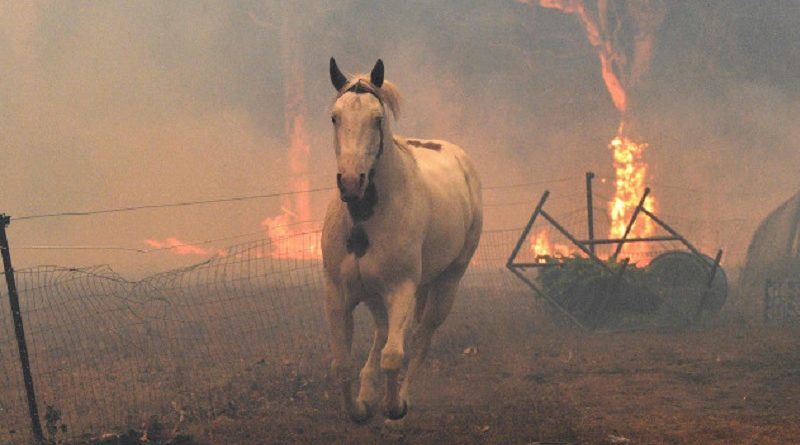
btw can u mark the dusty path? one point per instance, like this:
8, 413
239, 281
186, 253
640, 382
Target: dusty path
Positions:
730, 384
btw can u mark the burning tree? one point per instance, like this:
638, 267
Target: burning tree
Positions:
285, 230
290, 233
623, 35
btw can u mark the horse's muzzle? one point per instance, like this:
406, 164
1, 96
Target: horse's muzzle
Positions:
351, 186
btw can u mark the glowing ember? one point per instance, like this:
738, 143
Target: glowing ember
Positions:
182, 248
630, 176
542, 247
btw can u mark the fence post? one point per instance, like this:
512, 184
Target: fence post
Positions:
13, 299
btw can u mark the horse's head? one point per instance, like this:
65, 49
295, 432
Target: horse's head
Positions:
360, 127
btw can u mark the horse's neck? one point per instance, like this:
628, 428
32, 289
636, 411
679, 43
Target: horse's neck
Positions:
393, 171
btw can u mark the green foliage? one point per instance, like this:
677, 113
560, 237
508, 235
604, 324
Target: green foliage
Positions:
595, 294
565, 274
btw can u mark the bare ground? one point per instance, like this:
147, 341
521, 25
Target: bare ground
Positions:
727, 384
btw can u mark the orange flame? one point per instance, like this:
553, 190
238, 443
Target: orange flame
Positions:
542, 247
182, 248
290, 233
625, 58
612, 61
290, 239
630, 176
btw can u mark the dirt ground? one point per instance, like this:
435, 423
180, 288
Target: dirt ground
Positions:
730, 383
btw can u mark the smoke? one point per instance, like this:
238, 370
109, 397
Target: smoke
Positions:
110, 104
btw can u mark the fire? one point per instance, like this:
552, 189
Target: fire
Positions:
630, 176
290, 239
623, 36
542, 247
182, 248
631, 172
290, 234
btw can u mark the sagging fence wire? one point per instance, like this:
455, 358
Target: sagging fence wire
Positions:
109, 354
242, 198
695, 224
238, 199
170, 205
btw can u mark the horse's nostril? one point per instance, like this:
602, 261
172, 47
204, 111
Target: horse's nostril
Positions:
361, 178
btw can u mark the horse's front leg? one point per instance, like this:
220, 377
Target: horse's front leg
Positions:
400, 301
339, 311
371, 372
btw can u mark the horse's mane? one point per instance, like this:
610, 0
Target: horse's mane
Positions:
387, 93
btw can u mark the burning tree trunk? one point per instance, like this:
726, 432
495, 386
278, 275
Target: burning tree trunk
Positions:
294, 113
287, 230
623, 34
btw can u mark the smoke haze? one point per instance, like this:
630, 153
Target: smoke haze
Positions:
114, 104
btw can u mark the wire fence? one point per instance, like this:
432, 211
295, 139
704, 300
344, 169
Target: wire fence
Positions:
108, 354
781, 302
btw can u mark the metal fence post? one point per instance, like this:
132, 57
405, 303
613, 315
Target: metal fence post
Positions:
590, 209
13, 299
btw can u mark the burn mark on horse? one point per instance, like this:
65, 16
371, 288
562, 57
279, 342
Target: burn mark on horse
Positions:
357, 241
362, 209
428, 145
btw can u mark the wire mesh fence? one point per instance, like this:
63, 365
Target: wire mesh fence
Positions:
782, 302
108, 354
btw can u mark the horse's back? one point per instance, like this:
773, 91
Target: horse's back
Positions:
447, 170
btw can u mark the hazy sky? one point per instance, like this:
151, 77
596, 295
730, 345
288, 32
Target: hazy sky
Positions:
111, 104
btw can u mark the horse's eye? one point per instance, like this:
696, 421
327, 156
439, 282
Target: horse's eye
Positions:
333, 120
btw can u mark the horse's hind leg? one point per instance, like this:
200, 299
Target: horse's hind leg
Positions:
371, 372
339, 312
442, 294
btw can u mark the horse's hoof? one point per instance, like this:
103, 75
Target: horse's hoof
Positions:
397, 414
362, 414
394, 426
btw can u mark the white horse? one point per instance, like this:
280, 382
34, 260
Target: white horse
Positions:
399, 238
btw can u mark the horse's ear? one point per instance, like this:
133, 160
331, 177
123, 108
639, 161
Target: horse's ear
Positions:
376, 76
337, 78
